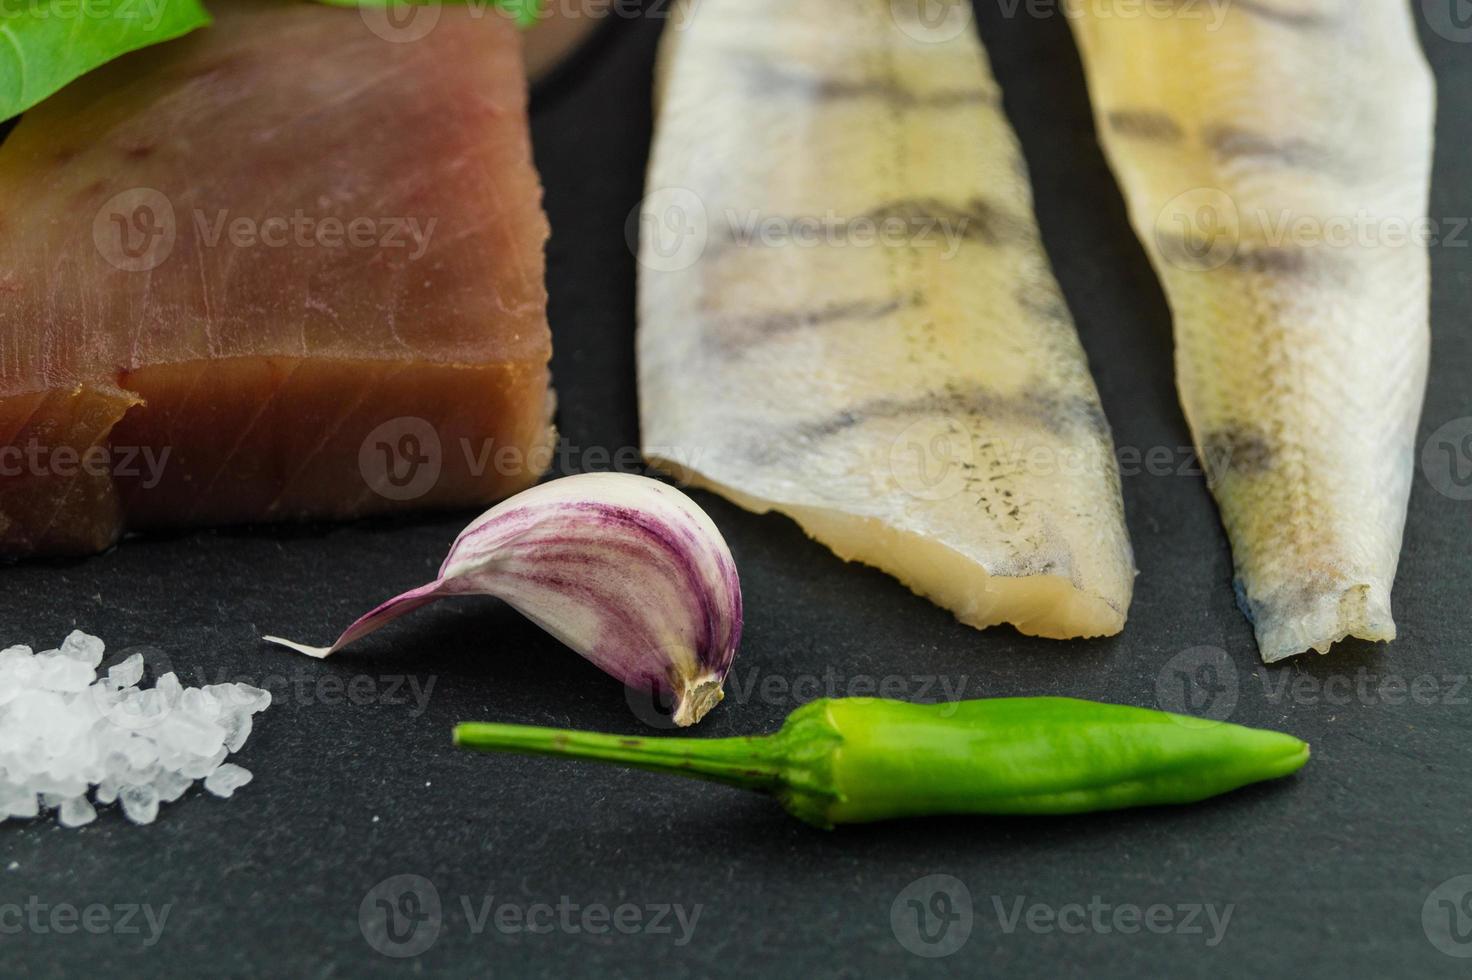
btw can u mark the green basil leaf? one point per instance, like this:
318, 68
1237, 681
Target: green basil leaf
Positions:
44, 44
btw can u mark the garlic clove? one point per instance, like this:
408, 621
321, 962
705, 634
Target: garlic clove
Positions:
627, 571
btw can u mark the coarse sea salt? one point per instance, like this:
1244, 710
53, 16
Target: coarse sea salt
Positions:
64, 732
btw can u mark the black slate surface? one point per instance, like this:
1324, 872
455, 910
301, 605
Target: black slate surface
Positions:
1326, 874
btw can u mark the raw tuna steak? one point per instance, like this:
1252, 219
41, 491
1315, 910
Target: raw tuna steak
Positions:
288, 267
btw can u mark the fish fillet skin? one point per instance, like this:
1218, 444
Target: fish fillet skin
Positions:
274, 363
870, 340
1254, 142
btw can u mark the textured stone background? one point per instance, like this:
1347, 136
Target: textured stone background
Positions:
1327, 873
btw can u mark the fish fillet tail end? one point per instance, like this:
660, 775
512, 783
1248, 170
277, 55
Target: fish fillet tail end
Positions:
1316, 619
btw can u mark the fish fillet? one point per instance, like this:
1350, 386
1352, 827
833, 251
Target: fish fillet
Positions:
846, 315
215, 307
1274, 155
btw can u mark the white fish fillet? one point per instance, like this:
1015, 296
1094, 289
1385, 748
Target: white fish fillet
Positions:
846, 314
1274, 155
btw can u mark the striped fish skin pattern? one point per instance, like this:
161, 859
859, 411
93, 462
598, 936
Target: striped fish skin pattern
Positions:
846, 314
1275, 159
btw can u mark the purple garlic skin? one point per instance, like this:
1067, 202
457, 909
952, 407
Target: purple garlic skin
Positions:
626, 570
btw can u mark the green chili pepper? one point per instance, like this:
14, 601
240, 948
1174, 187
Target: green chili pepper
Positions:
853, 760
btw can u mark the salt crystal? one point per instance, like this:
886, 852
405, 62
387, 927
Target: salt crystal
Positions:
81, 646
20, 805
139, 751
76, 811
140, 803
20, 670
225, 780
171, 785
127, 673
61, 673
151, 704
169, 688
255, 699
63, 731
200, 703
198, 767
14, 654
237, 730
141, 774
55, 787
184, 733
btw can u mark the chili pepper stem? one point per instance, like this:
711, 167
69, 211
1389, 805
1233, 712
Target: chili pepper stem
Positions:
748, 763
